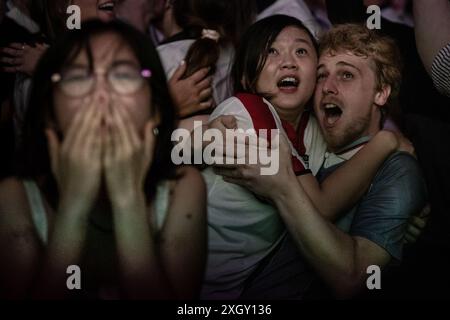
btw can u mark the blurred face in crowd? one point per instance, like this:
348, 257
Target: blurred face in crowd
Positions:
347, 104
289, 74
375, 2
135, 12
116, 81
92, 9
158, 7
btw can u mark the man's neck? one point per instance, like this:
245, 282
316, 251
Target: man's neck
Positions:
363, 138
352, 148
344, 154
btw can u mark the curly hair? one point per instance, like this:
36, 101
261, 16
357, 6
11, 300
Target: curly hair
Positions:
363, 42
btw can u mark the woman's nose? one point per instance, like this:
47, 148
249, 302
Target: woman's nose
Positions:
289, 62
102, 90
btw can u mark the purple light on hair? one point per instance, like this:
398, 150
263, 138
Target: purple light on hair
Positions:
146, 73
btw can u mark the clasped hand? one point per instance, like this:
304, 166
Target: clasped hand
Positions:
101, 141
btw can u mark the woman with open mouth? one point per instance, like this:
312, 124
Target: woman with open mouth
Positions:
274, 75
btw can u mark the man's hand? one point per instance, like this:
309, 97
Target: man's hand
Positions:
416, 225
222, 123
192, 94
249, 175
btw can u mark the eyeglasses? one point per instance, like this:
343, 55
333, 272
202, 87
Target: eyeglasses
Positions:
123, 78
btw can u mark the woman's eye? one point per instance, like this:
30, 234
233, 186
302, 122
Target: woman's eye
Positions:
272, 51
124, 75
302, 52
75, 77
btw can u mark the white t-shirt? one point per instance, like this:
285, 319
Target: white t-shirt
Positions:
242, 229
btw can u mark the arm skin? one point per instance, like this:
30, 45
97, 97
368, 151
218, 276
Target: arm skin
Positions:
172, 268
432, 28
65, 247
29, 269
340, 259
344, 187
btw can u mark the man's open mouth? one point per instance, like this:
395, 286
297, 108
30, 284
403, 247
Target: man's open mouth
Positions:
332, 113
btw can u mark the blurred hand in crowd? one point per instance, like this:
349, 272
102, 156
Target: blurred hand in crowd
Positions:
417, 224
18, 57
192, 94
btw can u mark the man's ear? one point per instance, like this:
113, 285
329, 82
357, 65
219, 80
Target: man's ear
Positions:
382, 96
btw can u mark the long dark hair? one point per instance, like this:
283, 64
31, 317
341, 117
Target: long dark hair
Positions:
230, 18
33, 161
252, 53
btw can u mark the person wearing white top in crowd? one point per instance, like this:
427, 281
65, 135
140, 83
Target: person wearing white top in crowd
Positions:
202, 34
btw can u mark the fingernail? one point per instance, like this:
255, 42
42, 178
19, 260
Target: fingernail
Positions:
183, 62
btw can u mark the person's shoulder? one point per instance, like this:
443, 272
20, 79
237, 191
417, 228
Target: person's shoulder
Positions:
401, 163
243, 101
228, 106
401, 169
189, 182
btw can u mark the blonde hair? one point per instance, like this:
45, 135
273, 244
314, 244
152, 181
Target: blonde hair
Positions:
367, 43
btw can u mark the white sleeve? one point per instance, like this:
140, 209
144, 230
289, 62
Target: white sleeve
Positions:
234, 107
171, 55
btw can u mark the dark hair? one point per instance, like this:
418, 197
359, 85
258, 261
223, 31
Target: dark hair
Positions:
33, 160
251, 55
50, 15
230, 18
